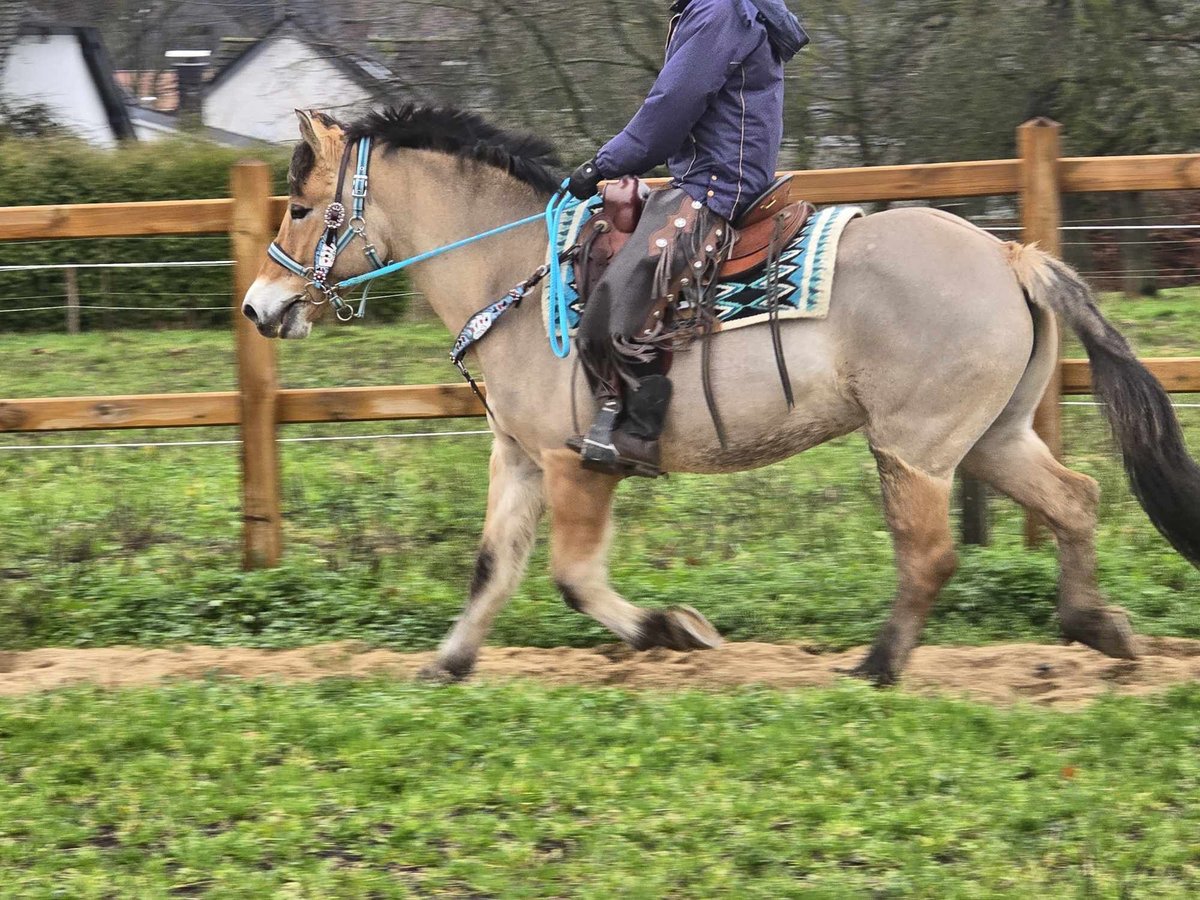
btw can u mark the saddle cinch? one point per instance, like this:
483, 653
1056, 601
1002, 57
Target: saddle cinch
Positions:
770, 224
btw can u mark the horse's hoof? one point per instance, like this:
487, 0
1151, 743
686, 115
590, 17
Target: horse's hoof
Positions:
438, 673
874, 669
676, 628
1103, 628
701, 633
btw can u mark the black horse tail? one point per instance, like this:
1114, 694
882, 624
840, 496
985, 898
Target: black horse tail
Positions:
1164, 478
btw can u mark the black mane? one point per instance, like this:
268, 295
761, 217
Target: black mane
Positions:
464, 134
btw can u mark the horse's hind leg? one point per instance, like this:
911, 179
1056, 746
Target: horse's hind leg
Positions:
917, 507
1014, 460
516, 502
581, 527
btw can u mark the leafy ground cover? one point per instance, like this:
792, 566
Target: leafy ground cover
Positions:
142, 546
376, 789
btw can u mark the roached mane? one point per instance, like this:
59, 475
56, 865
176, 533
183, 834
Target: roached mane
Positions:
464, 134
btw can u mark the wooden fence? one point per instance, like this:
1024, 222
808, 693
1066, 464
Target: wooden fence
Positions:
250, 216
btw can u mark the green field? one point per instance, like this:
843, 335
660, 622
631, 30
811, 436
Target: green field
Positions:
380, 789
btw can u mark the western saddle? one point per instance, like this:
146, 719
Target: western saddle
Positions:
769, 224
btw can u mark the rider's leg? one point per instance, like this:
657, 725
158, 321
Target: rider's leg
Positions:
622, 338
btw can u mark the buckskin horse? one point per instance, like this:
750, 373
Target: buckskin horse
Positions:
938, 345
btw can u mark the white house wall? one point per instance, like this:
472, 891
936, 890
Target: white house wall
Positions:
51, 70
260, 97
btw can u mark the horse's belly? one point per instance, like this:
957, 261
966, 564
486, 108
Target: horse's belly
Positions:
749, 399
747, 450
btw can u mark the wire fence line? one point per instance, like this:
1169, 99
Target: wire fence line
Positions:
1098, 227
162, 264
93, 306
234, 442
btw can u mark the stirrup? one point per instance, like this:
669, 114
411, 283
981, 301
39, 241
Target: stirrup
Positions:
597, 448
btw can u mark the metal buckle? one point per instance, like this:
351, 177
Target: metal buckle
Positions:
358, 186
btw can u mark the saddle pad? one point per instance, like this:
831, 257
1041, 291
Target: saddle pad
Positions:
806, 270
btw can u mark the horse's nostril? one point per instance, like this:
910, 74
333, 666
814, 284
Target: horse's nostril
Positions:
249, 313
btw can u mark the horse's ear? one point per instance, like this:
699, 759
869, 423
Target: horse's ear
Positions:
321, 132
306, 128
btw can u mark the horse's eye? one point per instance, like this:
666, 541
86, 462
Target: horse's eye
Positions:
299, 212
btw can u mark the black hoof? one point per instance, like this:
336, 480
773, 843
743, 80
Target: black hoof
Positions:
440, 673
677, 628
1103, 628
874, 669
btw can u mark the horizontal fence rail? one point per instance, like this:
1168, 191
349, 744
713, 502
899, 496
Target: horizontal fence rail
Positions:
373, 404
117, 220
877, 183
353, 404
1039, 178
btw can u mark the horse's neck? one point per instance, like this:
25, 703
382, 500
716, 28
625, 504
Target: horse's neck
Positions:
436, 205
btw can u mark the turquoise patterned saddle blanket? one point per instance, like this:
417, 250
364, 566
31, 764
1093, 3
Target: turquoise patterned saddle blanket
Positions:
806, 270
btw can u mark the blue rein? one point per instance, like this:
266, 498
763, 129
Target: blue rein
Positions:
392, 268
559, 325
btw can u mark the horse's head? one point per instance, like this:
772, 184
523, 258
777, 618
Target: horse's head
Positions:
283, 302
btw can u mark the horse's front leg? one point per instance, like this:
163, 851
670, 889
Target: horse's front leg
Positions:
516, 501
581, 527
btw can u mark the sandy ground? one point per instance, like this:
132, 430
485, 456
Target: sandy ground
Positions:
1003, 674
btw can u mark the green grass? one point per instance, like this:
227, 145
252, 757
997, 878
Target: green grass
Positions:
380, 789
374, 789
118, 546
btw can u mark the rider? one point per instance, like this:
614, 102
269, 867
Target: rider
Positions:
715, 117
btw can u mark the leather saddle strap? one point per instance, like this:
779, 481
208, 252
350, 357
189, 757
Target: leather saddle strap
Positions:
773, 253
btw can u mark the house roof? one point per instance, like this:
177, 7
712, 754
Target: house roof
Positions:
360, 67
228, 50
11, 13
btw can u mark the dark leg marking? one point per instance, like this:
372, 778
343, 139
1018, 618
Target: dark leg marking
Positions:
570, 596
484, 564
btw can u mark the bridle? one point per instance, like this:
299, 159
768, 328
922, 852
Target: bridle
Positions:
334, 240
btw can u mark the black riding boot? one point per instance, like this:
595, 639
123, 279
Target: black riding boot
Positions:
625, 441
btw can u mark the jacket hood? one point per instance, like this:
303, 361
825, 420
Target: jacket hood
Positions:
786, 34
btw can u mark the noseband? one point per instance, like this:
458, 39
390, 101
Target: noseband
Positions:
335, 240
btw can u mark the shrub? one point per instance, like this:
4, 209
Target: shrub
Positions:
58, 170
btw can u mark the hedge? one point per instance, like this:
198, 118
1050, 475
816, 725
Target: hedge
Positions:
48, 171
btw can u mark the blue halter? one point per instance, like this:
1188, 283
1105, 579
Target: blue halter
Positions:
332, 243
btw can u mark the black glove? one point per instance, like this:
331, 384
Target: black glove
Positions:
584, 181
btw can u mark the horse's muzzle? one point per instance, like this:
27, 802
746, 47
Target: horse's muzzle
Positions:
276, 311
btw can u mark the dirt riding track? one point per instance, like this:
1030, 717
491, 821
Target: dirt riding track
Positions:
1003, 674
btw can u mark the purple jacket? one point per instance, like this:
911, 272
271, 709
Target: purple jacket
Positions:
715, 113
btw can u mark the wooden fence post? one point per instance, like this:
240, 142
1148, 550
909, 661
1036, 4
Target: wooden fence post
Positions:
1039, 142
258, 381
72, 282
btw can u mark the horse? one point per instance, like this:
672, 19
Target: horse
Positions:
939, 344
